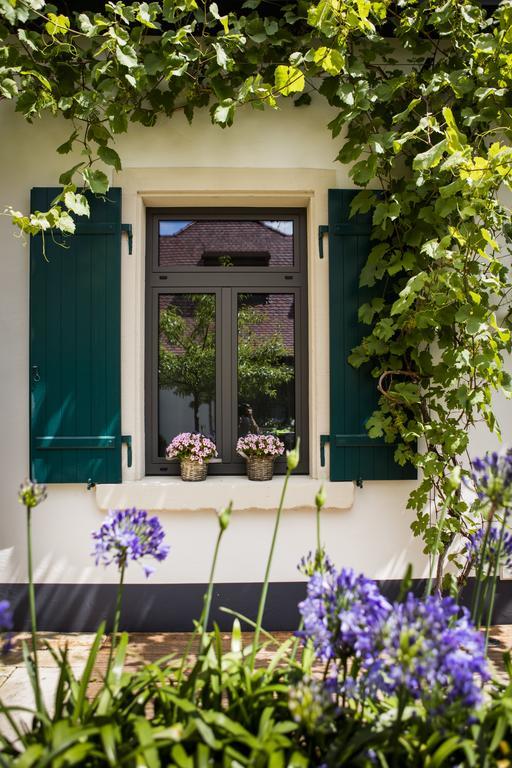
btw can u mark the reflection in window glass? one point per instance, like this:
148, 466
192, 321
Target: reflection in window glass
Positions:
218, 243
186, 366
266, 365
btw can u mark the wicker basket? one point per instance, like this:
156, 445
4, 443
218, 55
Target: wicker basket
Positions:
193, 471
260, 467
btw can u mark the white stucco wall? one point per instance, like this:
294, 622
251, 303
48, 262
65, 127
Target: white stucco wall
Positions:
278, 158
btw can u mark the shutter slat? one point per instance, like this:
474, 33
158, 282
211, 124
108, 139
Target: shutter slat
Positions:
353, 391
75, 344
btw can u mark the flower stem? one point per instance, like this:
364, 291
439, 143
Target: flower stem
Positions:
436, 549
32, 607
494, 580
208, 597
117, 614
264, 590
476, 610
399, 714
319, 561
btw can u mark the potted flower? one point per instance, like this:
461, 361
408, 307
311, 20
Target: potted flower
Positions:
193, 451
260, 452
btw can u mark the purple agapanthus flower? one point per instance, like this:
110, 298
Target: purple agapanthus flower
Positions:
129, 534
422, 650
476, 543
6, 625
430, 651
341, 613
492, 479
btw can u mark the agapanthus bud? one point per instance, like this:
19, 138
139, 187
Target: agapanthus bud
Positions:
31, 494
320, 498
225, 515
292, 457
309, 702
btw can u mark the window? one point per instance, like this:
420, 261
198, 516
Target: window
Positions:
226, 330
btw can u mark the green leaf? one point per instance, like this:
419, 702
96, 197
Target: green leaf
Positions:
126, 56
57, 24
91, 658
66, 177
109, 735
109, 156
65, 223
147, 744
30, 756
97, 181
39, 76
223, 113
330, 59
364, 171
455, 138
220, 55
288, 80
446, 749
63, 149
431, 158
405, 113
77, 203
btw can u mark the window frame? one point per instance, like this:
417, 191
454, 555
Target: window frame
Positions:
226, 284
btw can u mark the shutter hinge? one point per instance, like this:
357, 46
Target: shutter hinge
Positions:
90, 484
323, 440
323, 229
129, 231
127, 440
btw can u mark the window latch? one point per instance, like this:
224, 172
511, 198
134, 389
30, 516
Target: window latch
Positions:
127, 440
323, 229
129, 231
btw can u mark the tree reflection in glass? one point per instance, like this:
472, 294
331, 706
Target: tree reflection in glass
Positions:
186, 367
266, 368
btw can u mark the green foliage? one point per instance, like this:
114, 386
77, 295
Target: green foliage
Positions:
220, 713
215, 708
422, 97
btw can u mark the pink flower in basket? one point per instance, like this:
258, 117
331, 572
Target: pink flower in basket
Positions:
260, 445
193, 446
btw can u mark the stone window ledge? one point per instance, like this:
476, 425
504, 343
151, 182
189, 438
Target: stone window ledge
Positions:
171, 493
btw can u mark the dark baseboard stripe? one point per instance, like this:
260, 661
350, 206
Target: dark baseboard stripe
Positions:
173, 607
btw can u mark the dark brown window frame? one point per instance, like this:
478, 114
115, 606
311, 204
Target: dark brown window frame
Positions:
226, 283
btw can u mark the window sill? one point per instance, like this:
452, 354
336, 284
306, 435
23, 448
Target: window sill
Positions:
171, 493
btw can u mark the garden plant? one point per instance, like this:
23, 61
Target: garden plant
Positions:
420, 96
364, 681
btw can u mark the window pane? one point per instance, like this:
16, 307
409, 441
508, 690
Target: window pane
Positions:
225, 244
266, 365
186, 366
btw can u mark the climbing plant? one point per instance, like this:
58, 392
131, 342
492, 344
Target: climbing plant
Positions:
420, 90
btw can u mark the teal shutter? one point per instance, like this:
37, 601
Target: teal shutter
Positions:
353, 392
75, 404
